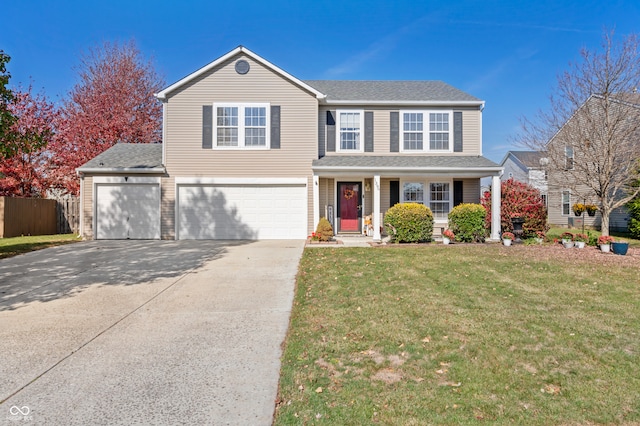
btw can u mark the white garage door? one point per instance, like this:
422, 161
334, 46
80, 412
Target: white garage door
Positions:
232, 212
128, 211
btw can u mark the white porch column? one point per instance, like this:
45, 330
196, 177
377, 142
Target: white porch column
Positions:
316, 202
376, 208
496, 190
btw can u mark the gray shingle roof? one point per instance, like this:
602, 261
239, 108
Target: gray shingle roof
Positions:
530, 159
405, 162
391, 91
129, 156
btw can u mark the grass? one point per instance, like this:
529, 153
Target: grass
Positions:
461, 334
619, 236
18, 245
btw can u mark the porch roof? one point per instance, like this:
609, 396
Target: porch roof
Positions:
127, 158
398, 165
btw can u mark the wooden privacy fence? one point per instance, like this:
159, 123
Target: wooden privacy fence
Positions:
38, 216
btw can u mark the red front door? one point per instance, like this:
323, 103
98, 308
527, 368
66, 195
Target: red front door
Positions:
349, 206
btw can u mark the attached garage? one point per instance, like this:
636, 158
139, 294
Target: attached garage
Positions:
242, 210
127, 209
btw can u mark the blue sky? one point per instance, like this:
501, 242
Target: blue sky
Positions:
507, 53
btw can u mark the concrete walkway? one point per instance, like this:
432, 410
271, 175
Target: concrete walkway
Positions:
161, 333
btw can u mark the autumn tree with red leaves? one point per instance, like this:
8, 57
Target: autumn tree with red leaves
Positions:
518, 199
113, 102
24, 173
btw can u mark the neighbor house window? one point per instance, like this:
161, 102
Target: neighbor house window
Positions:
440, 199
413, 192
544, 199
566, 202
241, 125
426, 131
568, 158
350, 125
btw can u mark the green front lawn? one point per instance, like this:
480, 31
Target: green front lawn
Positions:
18, 245
463, 334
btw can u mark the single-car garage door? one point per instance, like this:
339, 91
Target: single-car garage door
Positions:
128, 211
244, 211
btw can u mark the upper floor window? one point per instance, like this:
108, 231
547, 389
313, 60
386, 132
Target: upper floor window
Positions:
434, 127
568, 158
241, 126
350, 125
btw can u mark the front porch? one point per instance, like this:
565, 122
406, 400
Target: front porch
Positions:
354, 197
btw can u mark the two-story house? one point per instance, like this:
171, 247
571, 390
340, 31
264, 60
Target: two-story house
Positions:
528, 167
251, 152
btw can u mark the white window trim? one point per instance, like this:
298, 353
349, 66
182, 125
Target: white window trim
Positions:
361, 112
426, 140
426, 187
241, 126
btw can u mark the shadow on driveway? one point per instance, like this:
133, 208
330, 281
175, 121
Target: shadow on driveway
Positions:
60, 272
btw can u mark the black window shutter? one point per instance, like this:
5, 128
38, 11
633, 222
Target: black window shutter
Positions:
394, 198
331, 131
457, 131
368, 131
275, 127
457, 192
395, 131
207, 126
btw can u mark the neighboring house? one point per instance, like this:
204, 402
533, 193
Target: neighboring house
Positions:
574, 153
251, 152
527, 167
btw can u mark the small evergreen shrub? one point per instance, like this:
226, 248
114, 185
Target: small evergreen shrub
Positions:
409, 223
467, 221
324, 230
634, 213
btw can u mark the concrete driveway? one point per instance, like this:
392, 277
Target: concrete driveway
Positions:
153, 332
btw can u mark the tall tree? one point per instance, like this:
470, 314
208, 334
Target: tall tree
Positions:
113, 102
24, 172
7, 119
591, 131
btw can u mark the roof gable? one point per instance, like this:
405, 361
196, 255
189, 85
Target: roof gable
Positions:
529, 159
163, 94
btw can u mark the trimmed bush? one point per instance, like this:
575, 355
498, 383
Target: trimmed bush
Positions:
324, 230
409, 223
467, 221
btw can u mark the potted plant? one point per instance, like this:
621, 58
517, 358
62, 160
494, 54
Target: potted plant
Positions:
540, 236
591, 209
604, 241
580, 240
507, 237
567, 239
578, 209
448, 236
619, 247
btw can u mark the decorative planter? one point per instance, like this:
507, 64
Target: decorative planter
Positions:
620, 248
506, 242
567, 243
517, 223
591, 213
580, 244
605, 248
578, 213
445, 240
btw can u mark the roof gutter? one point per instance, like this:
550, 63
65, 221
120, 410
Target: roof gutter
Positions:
407, 103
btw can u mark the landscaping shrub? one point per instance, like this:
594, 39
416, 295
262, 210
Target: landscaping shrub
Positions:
324, 230
467, 221
409, 223
634, 213
519, 199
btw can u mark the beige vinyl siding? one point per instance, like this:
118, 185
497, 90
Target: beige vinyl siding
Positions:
168, 208
471, 191
185, 157
326, 196
471, 130
86, 204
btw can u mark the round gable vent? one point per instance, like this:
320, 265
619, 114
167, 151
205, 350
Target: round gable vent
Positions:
242, 66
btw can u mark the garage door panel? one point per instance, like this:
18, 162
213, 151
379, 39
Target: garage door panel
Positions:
242, 212
128, 211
